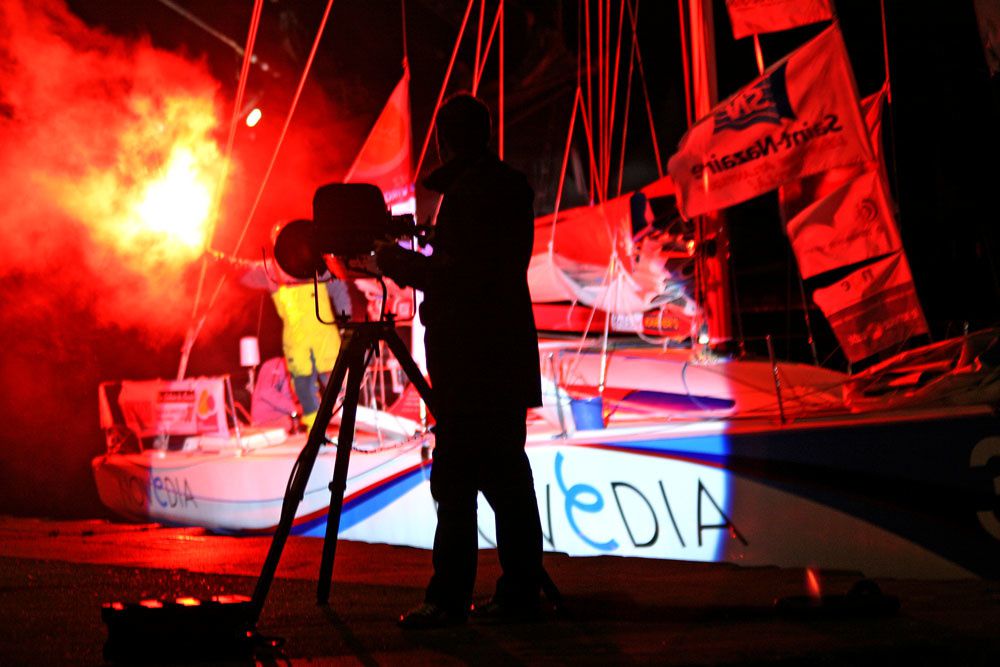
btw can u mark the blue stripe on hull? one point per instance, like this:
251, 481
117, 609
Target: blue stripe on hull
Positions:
911, 478
366, 505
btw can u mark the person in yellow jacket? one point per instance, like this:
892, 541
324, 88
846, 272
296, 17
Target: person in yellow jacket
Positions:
310, 346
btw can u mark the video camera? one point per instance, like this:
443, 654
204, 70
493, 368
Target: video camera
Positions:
348, 218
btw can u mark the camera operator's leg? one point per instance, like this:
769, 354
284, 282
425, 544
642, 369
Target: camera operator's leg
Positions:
508, 485
456, 538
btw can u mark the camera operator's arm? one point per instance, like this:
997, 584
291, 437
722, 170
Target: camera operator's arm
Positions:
407, 268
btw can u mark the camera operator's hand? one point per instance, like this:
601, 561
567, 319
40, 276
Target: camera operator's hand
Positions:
385, 253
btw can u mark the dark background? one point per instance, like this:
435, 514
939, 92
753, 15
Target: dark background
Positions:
941, 139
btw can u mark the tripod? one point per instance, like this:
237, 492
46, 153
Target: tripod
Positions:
365, 338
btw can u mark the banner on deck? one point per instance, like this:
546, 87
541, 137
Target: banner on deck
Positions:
385, 158
174, 407
800, 118
874, 308
750, 17
851, 224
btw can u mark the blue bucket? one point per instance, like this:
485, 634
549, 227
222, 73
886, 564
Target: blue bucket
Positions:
588, 413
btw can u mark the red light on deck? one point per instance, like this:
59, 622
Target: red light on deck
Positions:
151, 604
812, 583
188, 602
230, 599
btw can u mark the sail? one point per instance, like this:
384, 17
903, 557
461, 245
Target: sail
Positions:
750, 17
616, 257
385, 158
800, 117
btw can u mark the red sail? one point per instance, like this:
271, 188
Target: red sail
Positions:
750, 17
385, 158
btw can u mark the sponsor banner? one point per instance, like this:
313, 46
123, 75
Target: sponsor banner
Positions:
385, 159
175, 407
800, 118
874, 308
851, 224
794, 197
750, 17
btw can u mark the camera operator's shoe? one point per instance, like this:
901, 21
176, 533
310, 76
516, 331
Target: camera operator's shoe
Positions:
429, 616
498, 611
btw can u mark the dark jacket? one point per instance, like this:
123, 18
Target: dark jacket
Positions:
482, 346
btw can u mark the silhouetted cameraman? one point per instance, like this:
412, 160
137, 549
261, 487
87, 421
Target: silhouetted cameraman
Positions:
482, 357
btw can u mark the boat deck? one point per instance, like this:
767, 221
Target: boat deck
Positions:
55, 575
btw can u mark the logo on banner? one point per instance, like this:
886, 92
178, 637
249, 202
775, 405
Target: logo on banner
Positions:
764, 102
206, 417
868, 211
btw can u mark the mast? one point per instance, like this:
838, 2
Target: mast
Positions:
712, 270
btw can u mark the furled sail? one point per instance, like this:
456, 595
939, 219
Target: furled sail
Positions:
615, 257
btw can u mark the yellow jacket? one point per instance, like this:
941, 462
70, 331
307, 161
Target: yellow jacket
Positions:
304, 339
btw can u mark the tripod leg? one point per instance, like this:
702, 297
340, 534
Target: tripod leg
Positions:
300, 477
345, 440
410, 367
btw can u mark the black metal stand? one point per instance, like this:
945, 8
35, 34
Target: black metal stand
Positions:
364, 340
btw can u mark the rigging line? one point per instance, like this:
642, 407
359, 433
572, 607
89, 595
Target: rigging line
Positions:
595, 174
589, 111
217, 195
479, 45
234, 119
288, 121
625, 112
577, 101
614, 95
634, 18
500, 81
222, 37
685, 64
489, 45
602, 74
885, 54
281, 139
444, 87
888, 99
406, 51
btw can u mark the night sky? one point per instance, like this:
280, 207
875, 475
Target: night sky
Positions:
942, 140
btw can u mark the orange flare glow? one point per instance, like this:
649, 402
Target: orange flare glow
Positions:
154, 203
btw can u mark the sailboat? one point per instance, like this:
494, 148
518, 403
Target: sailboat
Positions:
670, 449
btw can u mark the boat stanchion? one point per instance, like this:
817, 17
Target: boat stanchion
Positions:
777, 379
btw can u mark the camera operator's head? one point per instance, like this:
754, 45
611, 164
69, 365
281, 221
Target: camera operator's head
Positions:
463, 127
